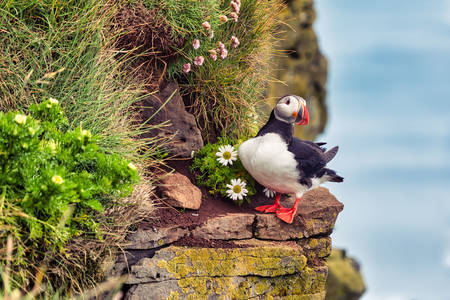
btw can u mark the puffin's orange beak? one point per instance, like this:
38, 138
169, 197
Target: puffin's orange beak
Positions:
302, 116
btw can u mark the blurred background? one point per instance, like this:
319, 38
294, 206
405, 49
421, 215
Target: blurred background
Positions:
388, 98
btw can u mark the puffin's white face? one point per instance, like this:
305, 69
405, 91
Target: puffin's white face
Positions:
292, 109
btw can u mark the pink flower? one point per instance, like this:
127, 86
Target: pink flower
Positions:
196, 44
238, 2
223, 18
186, 68
234, 41
206, 25
213, 54
211, 35
198, 61
221, 45
236, 6
223, 53
234, 16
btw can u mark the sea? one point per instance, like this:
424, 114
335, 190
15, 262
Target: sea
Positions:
389, 112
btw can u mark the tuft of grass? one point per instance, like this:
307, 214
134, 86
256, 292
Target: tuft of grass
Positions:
224, 94
45, 290
66, 50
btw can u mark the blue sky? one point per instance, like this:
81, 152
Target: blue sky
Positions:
389, 102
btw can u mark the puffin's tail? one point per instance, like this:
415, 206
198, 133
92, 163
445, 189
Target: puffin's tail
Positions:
330, 175
330, 154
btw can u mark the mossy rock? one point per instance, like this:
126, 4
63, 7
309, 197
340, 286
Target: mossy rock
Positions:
303, 68
345, 281
266, 270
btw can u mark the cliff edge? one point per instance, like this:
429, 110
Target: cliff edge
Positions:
235, 253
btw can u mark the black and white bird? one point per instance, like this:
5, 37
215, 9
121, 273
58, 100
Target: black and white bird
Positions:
283, 163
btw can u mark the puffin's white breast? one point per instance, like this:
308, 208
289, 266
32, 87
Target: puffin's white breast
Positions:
268, 160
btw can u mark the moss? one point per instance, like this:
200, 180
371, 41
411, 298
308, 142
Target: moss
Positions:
260, 288
313, 243
162, 264
241, 273
174, 295
344, 279
263, 261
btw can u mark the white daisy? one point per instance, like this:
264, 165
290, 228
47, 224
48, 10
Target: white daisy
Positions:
269, 193
236, 190
226, 155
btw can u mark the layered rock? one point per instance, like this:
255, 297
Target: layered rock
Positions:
263, 269
303, 68
235, 255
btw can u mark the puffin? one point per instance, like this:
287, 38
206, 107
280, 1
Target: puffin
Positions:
278, 160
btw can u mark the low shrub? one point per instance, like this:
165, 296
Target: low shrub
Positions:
54, 180
217, 166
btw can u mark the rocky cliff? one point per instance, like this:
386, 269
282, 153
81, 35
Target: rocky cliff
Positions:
233, 254
221, 251
301, 68
345, 281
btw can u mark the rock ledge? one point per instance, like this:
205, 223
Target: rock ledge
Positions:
257, 255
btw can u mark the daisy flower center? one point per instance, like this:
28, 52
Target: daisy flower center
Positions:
237, 189
226, 155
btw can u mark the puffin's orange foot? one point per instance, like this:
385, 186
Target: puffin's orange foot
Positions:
283, 210
287, 214
269, 208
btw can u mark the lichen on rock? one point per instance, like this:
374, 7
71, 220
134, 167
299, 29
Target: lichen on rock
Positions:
345, 281
268, 259
271, 269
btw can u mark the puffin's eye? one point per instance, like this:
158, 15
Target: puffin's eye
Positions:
288, 101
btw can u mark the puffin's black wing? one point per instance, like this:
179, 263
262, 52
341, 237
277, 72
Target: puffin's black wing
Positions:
309, 156
316, 145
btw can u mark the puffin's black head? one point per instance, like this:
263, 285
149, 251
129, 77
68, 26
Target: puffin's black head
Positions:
292, 109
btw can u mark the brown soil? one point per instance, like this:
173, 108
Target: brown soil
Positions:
212, 206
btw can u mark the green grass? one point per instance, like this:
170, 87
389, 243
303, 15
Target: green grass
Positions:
65, 50
185, 16
45, 290
62, 49
224, 94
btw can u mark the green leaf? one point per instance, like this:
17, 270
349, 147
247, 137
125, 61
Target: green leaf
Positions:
94, 204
